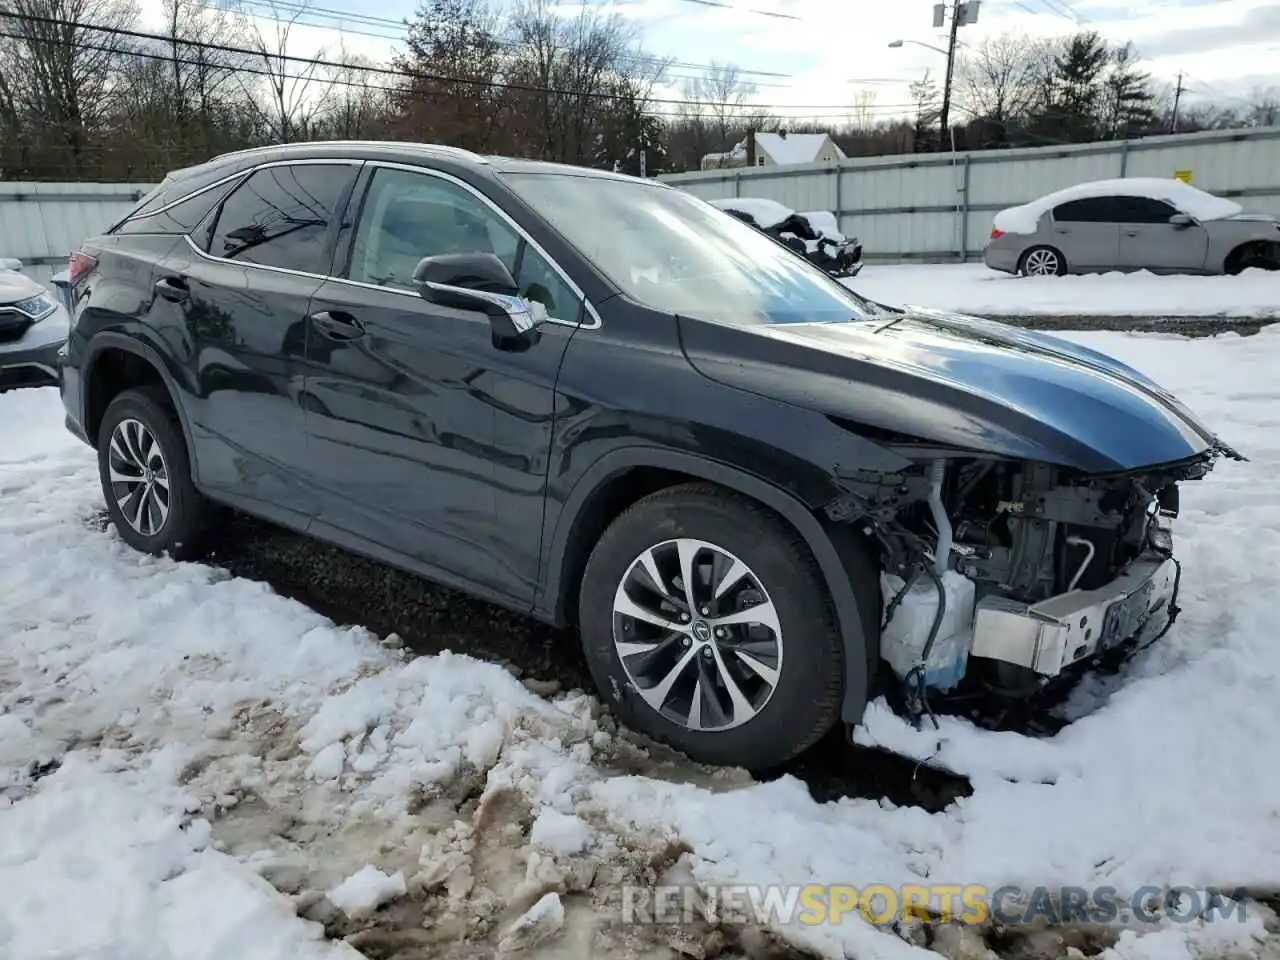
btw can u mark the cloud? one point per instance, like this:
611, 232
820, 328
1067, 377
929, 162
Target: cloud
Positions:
1258, 25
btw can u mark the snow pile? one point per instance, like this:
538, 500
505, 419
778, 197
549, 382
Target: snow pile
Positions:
824, 221
974, 289
178, 700
766, 213
365, 891
1186, 198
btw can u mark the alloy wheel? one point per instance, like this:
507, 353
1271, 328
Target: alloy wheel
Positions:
139, 477
1041, 263
697, 634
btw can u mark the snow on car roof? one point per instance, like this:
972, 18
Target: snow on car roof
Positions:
767, 213
1188, 199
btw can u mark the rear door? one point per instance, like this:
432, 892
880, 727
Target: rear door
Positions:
1148, 241
1087, 231
240, 285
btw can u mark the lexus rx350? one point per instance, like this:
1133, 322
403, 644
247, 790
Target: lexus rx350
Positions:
603, 402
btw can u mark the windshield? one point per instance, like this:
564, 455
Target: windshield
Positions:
672, 252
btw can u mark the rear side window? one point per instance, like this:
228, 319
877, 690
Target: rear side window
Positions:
181, 217
280, 216
1088, 210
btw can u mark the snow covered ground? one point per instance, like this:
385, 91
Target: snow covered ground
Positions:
194, 767
973, 288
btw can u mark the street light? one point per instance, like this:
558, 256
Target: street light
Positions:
944, 119
896, 44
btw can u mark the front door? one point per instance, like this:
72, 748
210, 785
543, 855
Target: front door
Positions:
427, 439
1148, 241
239, 289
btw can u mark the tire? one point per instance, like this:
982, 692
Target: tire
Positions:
1055, 264
141, 426
781, 718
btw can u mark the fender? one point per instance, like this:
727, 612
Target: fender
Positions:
106, 340
848, 616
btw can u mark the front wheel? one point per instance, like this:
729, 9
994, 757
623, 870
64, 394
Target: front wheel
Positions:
1042, 262
706, 627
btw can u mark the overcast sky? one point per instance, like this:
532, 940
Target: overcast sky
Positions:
823, 61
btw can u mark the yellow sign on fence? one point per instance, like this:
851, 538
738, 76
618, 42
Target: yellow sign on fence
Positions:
1183, 175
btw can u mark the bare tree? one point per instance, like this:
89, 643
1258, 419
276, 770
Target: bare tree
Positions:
359, 106
292, 89
57, 80
863, 113
722, 98
1002, 80
1264, 107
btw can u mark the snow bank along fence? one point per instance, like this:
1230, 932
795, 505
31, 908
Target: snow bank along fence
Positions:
40, 223
938, 207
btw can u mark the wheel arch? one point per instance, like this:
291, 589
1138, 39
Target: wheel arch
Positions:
1063, 266
102, 348
608, 486
1231, 263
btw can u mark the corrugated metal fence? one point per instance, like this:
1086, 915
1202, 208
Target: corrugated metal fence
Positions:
938, 206
916, 207
40, 223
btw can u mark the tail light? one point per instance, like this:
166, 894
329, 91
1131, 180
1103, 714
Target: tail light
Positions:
79, 265
996, 233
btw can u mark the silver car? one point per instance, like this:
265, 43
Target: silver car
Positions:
1164, 226
33, 328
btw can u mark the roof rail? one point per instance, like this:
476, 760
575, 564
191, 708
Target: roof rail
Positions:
437, 148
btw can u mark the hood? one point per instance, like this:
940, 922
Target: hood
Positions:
1253, 217
16, 286
962, 382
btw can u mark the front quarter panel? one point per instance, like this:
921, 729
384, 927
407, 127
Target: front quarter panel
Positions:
1227, 235
628, 386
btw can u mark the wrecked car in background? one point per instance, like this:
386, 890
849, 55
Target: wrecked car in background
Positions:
814, 235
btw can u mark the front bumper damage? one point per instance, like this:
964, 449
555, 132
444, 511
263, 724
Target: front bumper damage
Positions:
1052, 635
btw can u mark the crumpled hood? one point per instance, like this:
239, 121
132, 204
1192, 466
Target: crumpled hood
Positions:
16, 286
971, 383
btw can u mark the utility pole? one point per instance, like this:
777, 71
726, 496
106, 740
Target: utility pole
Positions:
1177, 99
957, 11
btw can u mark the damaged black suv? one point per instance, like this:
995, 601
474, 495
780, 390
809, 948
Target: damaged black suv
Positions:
603, 402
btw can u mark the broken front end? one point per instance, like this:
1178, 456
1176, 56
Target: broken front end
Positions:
1009, 574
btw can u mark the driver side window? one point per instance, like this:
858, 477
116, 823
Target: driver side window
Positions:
408, 216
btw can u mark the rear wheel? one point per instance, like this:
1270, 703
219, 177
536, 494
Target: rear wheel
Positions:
146, 475
1042, 262
706, 627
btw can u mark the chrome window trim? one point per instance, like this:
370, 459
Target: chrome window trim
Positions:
248, 171
593, 321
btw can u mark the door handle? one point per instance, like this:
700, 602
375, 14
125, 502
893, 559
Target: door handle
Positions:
1131, 233
1062, 230
173, 289
338, 325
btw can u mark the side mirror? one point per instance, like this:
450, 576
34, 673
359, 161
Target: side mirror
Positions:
479, 281
1182, 220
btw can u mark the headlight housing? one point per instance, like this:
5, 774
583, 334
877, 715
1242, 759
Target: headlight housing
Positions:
37, 307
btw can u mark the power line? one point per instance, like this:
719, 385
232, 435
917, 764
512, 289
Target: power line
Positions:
689, 110
339, 18
388, 71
